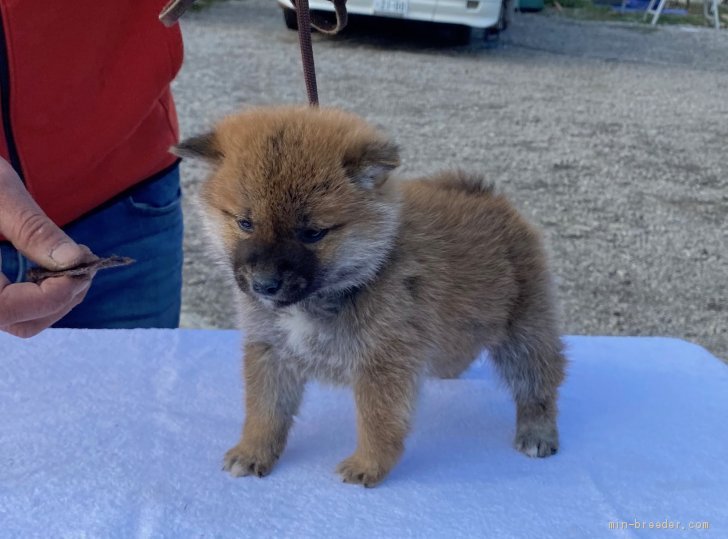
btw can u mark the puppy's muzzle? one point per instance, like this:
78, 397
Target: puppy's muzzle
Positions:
281, 272
267, 285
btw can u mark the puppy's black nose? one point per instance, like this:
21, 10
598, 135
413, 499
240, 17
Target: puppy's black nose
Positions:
267, 285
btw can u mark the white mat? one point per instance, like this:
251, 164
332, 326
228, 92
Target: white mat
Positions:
121, 434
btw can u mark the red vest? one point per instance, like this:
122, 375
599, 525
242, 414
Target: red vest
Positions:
86, 108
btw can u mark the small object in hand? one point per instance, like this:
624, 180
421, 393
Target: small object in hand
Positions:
174, 10
38, 275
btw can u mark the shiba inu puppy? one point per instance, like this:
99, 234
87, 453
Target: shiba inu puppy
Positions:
346, 275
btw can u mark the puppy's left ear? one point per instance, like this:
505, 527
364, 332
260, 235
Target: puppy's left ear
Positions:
369, 165
203, 146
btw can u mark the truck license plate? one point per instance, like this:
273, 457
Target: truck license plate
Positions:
397, 8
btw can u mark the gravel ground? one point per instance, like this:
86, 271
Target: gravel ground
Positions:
610, 137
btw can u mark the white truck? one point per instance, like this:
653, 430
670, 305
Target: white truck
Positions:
490, 15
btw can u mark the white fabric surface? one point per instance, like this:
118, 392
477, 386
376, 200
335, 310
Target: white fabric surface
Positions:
121, 434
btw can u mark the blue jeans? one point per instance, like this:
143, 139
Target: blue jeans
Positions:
145, 223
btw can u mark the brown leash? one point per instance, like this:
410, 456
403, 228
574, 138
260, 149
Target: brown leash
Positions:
303, 16
176, 8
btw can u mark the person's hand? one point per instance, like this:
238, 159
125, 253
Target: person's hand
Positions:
26, 308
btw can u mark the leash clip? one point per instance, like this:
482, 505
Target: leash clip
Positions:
325, 26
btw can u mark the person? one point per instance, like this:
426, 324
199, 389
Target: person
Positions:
87, 118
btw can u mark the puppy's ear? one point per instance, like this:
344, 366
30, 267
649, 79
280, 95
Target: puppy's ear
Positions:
203, 146
369, 165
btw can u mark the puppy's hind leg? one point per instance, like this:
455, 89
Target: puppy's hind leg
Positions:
532, 363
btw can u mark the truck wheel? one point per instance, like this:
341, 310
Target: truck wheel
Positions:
289, 17
504, 20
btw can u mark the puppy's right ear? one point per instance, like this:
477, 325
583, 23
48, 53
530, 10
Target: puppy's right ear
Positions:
369, 164
203, 146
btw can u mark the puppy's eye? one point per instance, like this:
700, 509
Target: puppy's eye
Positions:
246, 225
312, 235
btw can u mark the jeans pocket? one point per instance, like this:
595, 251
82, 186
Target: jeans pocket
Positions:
158, 196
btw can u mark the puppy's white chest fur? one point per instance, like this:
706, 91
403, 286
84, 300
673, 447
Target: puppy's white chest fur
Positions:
302, 335
319, 345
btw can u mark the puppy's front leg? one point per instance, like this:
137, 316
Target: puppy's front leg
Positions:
272, 396
385, 397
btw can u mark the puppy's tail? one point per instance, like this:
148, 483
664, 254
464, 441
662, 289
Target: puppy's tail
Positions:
459, 180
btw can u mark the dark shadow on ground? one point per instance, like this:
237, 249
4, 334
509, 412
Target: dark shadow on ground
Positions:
413, 36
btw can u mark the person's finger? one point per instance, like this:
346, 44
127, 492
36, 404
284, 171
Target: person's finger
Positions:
23, 302
4, 281
24, 224
26, 330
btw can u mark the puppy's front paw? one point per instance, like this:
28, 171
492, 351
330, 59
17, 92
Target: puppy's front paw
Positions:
242, 460
537, 440
361, 471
